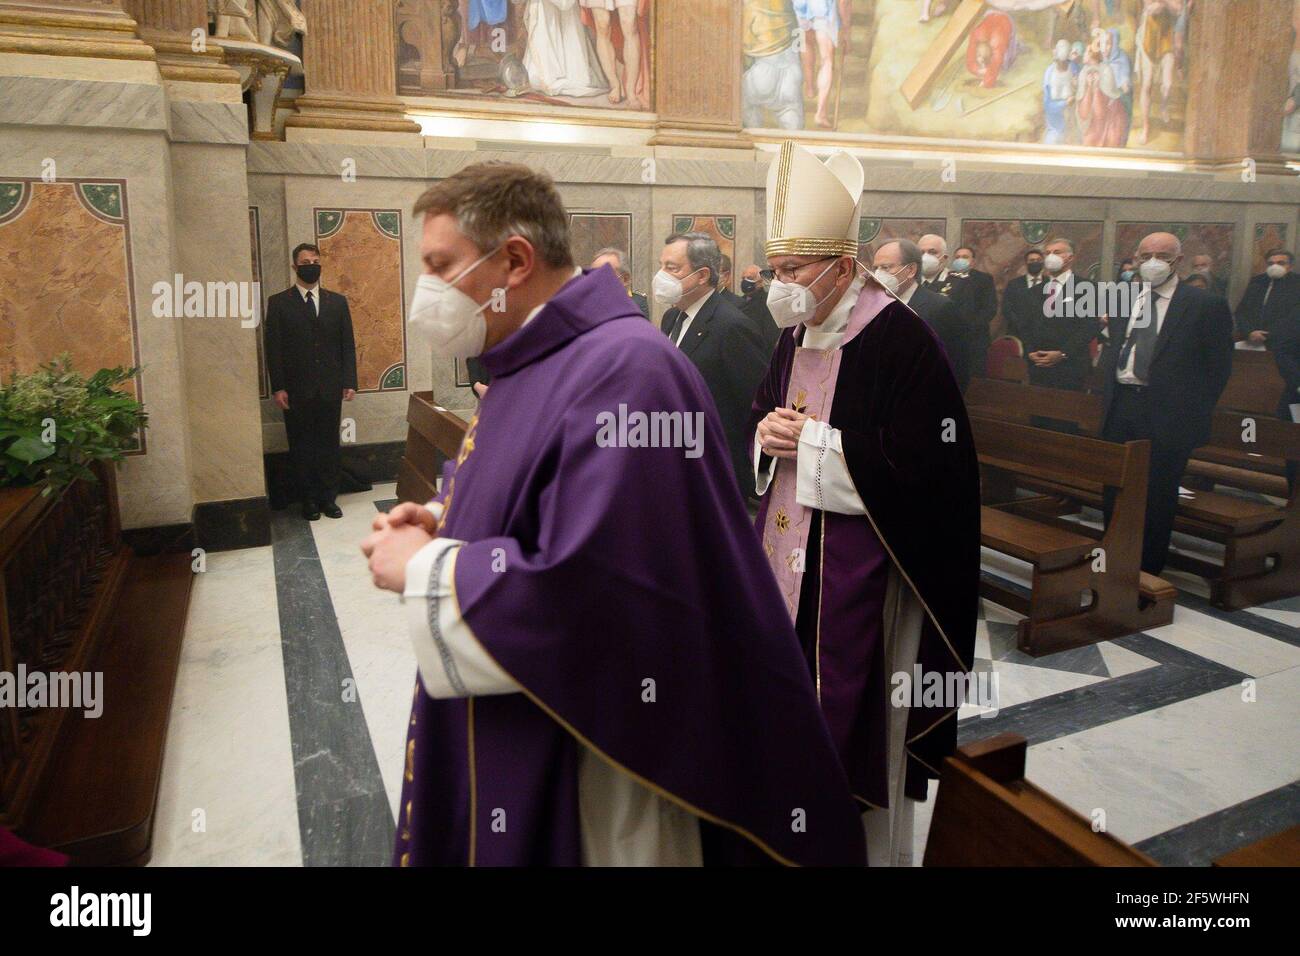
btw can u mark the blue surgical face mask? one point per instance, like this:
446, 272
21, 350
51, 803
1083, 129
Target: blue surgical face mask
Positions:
1126, 275
960, 265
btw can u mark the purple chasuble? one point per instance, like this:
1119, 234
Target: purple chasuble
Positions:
635, 608
844, 672
907, 444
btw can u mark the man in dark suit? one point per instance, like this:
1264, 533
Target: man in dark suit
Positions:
1022, 299
616, 259
1055, 338
753, 293
1163, 370
724, 284
312, 361
1269, 299
897, 266
715, 335
976, 297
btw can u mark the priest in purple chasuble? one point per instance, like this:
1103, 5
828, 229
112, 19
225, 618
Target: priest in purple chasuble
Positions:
607, 673
870, 497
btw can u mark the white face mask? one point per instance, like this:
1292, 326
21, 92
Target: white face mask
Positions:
791, 303
1276, 271
930, 264
888, 279
667, 289
1155, 271
1053, 263
446, 317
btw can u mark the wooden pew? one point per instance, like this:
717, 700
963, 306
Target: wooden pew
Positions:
1261, 540
1068, 559
1255, 387
433, 435
987, 814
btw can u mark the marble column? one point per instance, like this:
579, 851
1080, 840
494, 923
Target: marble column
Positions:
1238, 83
178, 32
350, 65
697, 63
77, 28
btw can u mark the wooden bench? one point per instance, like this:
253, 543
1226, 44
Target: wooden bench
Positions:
433, 435
987, 814
1261, 540
1255, 388
1068, 559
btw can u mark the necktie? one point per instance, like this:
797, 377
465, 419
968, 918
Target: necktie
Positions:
311, 304
1142, 336
1053, 289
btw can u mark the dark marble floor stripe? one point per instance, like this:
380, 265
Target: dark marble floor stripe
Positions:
1253, 622
1202, 841
344, 816
385, 504
1179, 675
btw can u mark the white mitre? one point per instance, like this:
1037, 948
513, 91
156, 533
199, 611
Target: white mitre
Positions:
813, 207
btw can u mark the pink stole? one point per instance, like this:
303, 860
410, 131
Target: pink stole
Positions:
811, 391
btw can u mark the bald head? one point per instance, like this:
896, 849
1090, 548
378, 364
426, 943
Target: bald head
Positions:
1160, 242
935, 246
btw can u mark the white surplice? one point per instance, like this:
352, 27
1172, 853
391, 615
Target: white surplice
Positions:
559, 55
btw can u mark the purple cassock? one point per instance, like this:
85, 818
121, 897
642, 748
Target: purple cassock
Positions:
908, 447
622, 566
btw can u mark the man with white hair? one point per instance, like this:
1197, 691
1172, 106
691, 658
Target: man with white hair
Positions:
870, 515
1163, 370
616, 259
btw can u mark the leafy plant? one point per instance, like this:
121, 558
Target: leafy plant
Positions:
54, 424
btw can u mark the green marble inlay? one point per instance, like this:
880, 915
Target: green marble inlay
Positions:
10, 195
104, 198
389, 223
868, 229
727, 226
327, 222
682, 223
1034, 232
395, 377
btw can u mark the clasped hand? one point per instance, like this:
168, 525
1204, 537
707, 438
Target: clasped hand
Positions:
778, 432
395, 539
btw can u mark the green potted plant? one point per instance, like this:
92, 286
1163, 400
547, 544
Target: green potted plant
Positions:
55, 424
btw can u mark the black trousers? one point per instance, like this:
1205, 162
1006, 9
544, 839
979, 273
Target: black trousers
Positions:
312, 425
1129, 420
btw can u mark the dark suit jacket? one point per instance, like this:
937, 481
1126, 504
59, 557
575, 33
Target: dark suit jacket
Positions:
976, 298
309, 355
1190, 367
755, 309
641, 303
940, 313
1254, 314
1284, 343
1065, 333
729, 353
1020, 304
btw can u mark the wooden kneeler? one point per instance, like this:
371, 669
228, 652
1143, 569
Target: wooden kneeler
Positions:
988, 814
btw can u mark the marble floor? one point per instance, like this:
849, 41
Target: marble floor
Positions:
286, 735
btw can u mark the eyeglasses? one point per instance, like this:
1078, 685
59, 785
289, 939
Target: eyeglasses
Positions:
788, 273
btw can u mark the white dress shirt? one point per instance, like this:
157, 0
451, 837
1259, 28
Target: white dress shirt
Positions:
315, 295
1125, 375
690, 312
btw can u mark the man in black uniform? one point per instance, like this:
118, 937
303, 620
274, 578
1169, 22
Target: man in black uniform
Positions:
312, 361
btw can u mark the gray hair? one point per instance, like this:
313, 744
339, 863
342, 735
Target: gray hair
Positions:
908, 251
1068, 242
618, 254
701, 252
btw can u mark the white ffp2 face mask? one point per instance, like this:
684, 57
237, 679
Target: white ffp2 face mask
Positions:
447, 318
667, 289
1155, 271
1053, 263
1275, 271
791, 303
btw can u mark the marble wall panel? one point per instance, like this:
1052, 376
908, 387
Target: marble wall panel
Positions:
1198, 238
362, 252
1000, 244
874, 232
65, 277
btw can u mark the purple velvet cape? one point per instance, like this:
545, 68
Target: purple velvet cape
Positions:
894, 392
622, 565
